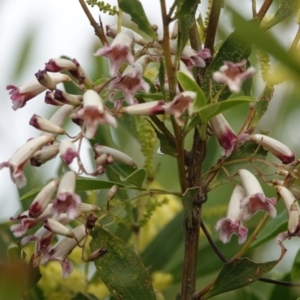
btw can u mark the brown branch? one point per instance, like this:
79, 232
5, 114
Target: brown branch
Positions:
264, 8
98, 29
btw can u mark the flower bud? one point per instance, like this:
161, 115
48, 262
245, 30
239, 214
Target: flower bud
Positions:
58, 228
67, 151
43, 155
90, 222
45, 125
45, 79
97, 254
60, 64
117, 155
148, 108
42, 199
112, 192
224, 133
275, 147
66, 98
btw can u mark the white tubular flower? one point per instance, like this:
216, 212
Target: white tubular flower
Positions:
93, 113
191, 57
148, 108
112, 192
42, 199
42, 156
66, 200
118, 52
130, 82
63, 248
277, 148
45, 125
60, 64
287, 196
26, 222
224, 133
45, 79
43, 237
255, 198
292, 208
111, 31
67, 151
20, 95
233, 74
101, 161
117, 155
17, 162
66, 98
181, 103
233, 223
49, 99
88, 208
58, 228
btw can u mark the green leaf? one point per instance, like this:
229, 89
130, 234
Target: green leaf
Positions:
135, 9
186, 9
34, 274
261, 107
82, 185
249, 32
192, 123
286, 9
211, 110
152, 87
155, 96
238, 160
233, 49
295, 273
166, 146
137, 178
189, 84
81, 296
239, 273
270, 230
188, 200
120, 268
166, 242
14, 253
161, 77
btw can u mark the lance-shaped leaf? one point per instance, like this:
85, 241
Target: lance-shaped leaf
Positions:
189, 84
295, 273
168, 240
250, 33
136, 178
239, 273
186, 10
261, 107
211, 110
120, 268
135, 9
286, 9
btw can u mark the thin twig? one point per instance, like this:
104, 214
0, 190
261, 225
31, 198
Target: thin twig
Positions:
264, 8
98, 29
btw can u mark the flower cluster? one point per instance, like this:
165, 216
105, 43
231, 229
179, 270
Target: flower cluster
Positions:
245, 201
57, 204
91, 109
